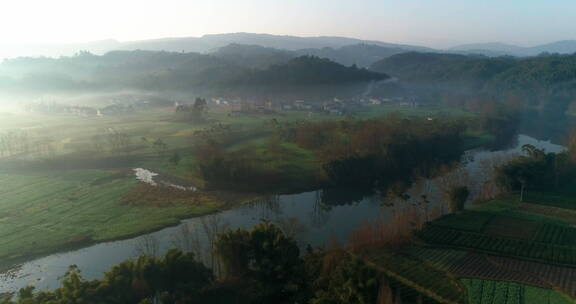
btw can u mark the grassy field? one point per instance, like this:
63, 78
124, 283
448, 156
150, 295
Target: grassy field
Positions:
50, 211
74, 196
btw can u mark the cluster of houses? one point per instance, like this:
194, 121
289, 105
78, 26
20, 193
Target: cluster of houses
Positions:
400, 101
334, 106
245, 106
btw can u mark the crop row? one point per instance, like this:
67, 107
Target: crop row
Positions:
439, 257
468, 221
494, 292
556, 234
561, 278
482, 266
552, 253
500, 292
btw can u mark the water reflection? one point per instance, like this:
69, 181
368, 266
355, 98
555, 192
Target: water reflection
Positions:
331, 197
265, 208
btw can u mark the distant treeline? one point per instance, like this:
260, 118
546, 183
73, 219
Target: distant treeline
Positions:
150, 70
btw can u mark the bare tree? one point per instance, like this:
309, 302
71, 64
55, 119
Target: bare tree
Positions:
213, 225
187, 238
488, 188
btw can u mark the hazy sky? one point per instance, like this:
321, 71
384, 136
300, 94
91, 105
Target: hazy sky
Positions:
437, 23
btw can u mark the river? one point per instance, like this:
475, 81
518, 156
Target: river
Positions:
310, 216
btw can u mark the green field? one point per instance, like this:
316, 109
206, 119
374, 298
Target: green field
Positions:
500, 227
74, 196
46, 212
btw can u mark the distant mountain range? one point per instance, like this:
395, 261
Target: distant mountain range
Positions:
209, 43
500, 49
263, 50
204, 44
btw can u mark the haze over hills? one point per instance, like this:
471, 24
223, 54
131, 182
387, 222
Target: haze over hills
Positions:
204, 44
56, 50
208, 43
255, 56
343, 50
543, 82
363, 55
500, 49
160, 70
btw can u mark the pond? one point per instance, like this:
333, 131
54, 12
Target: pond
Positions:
314, 218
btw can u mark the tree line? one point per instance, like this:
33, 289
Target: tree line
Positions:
371, 153
539, 170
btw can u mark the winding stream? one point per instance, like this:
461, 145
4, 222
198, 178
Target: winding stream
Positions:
313, 221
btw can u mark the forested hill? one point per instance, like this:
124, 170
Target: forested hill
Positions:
167, 70
549, 75
255, 56
313, 70
436, 68
362, 55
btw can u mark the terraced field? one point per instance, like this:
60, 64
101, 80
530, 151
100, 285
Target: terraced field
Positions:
504, 253
464, 264
557, 278
556, 235
547, 253
568, 216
